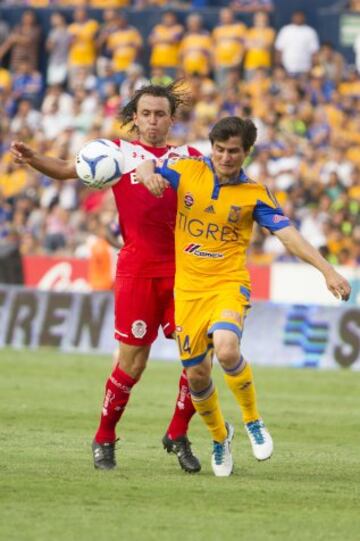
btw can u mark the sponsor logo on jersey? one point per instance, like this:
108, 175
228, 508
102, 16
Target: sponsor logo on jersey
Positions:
210, 209
279, 218
139, 328
193, 249
188, 200
234, 214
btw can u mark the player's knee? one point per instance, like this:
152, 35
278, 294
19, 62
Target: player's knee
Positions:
227, 353
198, 377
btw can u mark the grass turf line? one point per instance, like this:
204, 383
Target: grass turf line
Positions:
50, 402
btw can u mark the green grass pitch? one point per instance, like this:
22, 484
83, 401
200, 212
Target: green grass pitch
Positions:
49, 491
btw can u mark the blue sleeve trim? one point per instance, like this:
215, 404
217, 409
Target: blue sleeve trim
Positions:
226, 326
172, 176
271, 218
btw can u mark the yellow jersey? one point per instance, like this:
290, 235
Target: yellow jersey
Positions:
82, 50
165, 53
229, 44
214, 224
124, 45
195, 52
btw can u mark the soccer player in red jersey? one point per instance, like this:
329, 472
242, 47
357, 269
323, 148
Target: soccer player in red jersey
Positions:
145, 270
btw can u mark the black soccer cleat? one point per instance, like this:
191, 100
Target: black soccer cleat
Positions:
104, 455
181, 447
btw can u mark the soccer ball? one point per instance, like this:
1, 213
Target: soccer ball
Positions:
99, 164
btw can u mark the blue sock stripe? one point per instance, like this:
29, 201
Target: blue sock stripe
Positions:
205, 393
235, 369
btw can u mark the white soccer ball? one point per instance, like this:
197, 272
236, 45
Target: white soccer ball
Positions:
99, 164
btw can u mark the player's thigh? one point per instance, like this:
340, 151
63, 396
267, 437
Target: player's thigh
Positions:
229, 313
165, 296
192, 321
137, 317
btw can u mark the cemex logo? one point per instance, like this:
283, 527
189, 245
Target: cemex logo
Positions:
311, 336
193, 249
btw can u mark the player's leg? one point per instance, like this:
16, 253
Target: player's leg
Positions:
226, 329
175, 439
135, 331
194, 351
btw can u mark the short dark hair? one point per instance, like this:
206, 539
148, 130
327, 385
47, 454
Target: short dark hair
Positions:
174, 93
234, 126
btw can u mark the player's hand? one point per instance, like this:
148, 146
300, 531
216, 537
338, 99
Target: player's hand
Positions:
156, 184
21, 152
338, 285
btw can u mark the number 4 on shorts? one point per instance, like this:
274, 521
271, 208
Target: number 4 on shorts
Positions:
184, 346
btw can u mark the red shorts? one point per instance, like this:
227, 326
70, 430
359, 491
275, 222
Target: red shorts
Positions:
142, 305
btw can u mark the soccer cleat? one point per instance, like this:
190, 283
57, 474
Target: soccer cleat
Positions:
104, 455
221, 459
181, 447
260, 439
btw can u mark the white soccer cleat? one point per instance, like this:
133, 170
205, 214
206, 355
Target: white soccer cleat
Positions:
221, 459
260, 439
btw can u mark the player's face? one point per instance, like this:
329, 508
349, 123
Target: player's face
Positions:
227, 157
153, 120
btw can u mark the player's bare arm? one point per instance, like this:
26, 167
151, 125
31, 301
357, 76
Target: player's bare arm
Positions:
295, 243
155, 183
52, 167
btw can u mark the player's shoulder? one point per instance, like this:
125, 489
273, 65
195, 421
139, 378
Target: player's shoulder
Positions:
184, 150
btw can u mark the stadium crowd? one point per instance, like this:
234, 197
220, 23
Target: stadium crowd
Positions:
302, 95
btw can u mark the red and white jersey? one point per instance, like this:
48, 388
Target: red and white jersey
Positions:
147, 223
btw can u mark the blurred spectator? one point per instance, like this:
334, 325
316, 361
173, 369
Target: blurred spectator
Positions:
11, 271
133, 81
27, 83
259, 41
296, 44
100, 256
23, 42
4, 31
124, 44
228, 37
357, 52
26, 116
165, 40
107, 27
331, 61
82, 53
57, 45
196, 47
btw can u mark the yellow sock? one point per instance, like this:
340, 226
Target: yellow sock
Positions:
243, 387
209, 410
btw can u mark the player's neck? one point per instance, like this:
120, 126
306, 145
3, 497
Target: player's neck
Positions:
226, 179
159, 144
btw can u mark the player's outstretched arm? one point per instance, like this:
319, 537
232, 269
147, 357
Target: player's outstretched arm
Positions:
301, 248
51, 167
155, 183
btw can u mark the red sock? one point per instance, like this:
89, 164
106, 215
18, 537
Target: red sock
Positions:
184, 410
117, 394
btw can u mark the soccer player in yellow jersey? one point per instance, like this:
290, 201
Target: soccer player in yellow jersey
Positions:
217, 206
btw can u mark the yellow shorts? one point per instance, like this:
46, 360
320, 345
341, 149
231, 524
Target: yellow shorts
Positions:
196, 320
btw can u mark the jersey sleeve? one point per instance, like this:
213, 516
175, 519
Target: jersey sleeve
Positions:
172, 169
267, 213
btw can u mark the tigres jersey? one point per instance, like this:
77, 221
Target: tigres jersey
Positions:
214, 224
